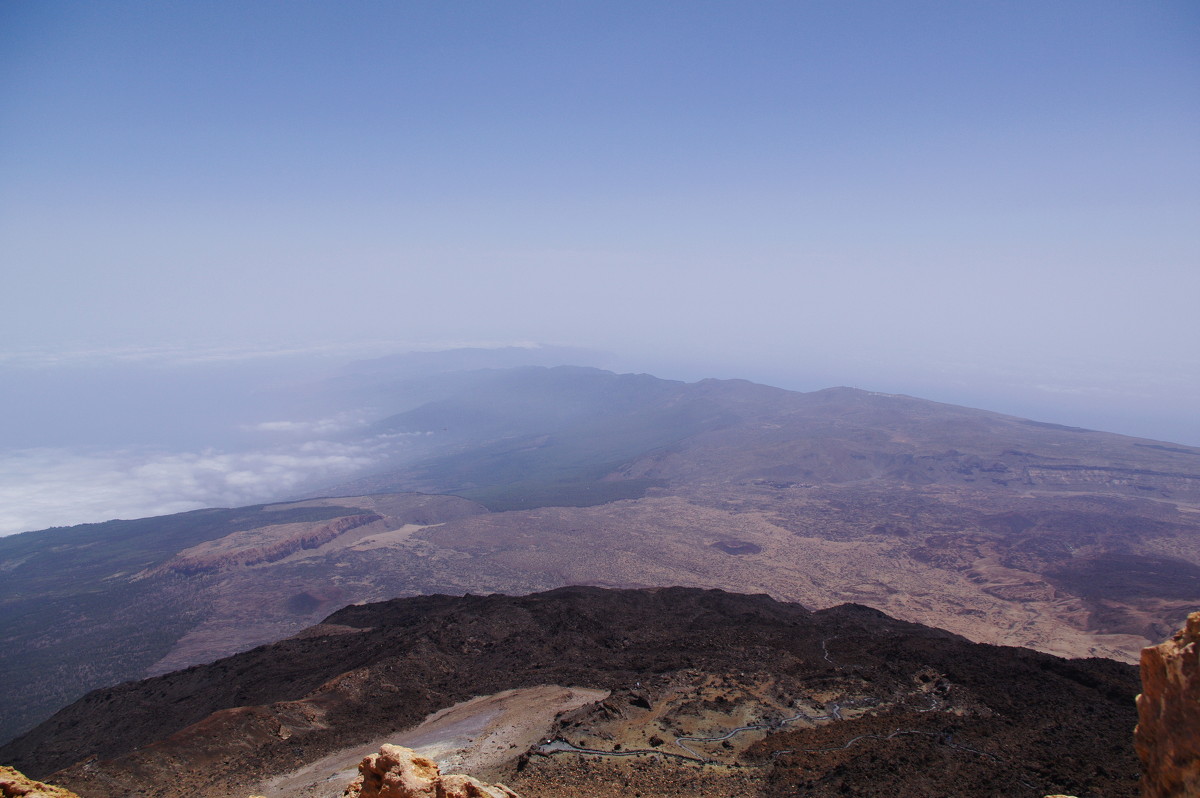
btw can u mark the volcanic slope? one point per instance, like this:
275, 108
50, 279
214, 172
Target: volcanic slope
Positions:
707, 693
1004, 530
87, 606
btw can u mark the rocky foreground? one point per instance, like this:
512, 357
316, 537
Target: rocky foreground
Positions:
15, 784
709, 694
397, 772
895, 710
1168, 731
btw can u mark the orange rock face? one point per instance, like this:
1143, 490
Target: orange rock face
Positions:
397, 772
15, 784
1167, 737
260, 545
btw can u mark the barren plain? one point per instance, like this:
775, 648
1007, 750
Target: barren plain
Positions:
1005, 530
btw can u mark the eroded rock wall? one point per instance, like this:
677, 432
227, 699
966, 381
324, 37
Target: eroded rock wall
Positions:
1167, 737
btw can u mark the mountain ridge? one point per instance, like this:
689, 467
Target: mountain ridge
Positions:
1004, 530
670, 658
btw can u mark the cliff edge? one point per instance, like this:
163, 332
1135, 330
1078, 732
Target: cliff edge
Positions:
1167, 737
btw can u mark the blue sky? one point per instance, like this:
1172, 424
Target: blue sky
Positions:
990, 203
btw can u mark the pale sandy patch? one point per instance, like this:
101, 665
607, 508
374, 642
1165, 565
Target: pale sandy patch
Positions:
390, 537
470, 737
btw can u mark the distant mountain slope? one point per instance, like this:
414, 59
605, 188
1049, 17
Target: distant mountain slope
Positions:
555, 433
871, 701
92, 605
1020, 521
1005, 530
566, 425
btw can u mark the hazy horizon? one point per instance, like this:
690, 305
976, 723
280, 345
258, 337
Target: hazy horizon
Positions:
987, 204
164, 431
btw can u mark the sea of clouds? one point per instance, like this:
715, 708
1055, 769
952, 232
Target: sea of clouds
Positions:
91, 435
46, 487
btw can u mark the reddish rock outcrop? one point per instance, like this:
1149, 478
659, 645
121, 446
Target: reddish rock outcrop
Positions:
1167, 737
15, 784
260, 545
398, 772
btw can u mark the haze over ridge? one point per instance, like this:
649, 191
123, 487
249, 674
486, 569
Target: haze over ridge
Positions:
991, 205
167, 430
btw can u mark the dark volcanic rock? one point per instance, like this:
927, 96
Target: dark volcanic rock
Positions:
1043, 724
425, 652
738, 547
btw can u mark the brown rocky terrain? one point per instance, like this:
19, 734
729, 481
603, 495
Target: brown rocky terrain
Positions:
1003, 530
15, 784
104, 603
708, 693
479, 735
1006, 530
396, 772
1168, 730
264, 544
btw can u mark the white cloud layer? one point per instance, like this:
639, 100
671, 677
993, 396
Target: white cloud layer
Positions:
342, 422
47, 487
